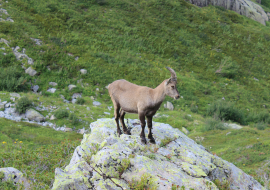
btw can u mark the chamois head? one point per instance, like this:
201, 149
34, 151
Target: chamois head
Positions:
170, 85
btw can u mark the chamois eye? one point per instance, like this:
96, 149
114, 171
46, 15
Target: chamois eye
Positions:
172, 87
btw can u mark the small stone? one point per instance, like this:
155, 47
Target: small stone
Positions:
107, 113
97, 89
71, 86
109, 108
3, 48
169, 106
35, 88
15, 95
76, 58
4, 41
51, 90
30, 71
76, 95
83, 71
7, 105
81, 131
96, 103
13, 99
61, 96
74, 101
256, 79
70, 54
92, 97
107, 87
232, 126
88, 108
53, 83
228, 133
52, 117
68, 129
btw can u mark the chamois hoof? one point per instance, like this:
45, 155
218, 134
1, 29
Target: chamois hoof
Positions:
143, 140
127, 132
152, 141
119, 133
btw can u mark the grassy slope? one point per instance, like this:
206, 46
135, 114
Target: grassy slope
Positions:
135, 40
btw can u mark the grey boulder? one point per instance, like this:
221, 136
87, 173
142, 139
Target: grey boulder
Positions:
33, 115
174, 159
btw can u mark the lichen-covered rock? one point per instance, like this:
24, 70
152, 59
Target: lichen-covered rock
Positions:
14, 175
33, 115
242, 7
106, 161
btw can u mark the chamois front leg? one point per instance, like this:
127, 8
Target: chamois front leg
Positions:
122, 117
116, 117
150, 134
142, 119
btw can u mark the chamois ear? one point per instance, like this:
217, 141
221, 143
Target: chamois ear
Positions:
168, 81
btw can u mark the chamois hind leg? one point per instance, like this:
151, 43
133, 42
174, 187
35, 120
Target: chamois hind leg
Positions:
142, 119
116, 117
150, 134
122, 116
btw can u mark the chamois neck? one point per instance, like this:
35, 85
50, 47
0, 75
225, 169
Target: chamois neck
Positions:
159, 93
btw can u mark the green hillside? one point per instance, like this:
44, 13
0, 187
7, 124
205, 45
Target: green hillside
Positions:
221, 59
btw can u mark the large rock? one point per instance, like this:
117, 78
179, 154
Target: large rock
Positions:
33, 115
174, 159
242, 7
14, 175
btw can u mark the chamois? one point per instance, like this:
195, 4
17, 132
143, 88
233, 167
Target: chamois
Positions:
131, 98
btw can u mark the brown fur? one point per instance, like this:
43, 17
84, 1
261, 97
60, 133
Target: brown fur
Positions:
141, 100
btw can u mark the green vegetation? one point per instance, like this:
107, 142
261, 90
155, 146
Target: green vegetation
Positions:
215, 52
23, 104
213, 124
35, 150
80, 101
61, 113
146, 182
225, 111
13, 79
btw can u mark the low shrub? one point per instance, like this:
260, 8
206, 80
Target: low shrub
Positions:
74, 119
80, 101
260, 126
225, 111
23, 104
61, 113
194, 108
228, 68
12, 79
259, 117
213, 124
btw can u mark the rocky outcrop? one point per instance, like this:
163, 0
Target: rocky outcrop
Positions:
106, 161
242, 7
14, 175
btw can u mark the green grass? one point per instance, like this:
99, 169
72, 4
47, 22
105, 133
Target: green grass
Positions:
216, 54
36, 151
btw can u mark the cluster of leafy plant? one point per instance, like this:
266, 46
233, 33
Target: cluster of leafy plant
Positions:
61, 113
226, 111
13, 79
80, 101
213, 124
23, 104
